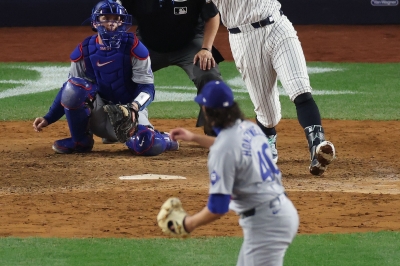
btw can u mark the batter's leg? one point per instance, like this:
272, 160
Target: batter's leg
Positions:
272, 138
252, 59
288, 58
290, 64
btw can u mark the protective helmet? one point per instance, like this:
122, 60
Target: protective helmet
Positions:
111, 38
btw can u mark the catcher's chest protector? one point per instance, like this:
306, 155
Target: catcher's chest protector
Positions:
111, 68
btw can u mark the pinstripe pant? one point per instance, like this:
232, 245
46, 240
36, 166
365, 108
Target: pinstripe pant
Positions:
262, 56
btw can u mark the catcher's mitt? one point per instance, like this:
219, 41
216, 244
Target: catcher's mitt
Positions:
172, 214
122, 120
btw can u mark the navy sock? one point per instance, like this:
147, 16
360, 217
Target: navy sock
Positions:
267, 131
307, 110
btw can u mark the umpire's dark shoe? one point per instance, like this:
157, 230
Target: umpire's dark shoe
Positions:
67, 145
322, 155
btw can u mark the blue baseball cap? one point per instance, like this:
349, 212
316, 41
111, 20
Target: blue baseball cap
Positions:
215, 94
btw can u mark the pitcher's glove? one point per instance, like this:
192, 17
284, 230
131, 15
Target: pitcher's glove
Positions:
171, 218
124, 119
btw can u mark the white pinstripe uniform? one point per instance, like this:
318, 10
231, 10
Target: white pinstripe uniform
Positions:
263, 54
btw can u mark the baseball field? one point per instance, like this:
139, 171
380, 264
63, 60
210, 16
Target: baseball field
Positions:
74, 210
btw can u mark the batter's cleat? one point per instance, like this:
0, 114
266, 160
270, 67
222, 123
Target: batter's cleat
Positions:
272, 145
108, 141
66, 146
321, 156
172, 145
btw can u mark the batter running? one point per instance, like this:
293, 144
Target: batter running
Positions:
243, 178
265, 46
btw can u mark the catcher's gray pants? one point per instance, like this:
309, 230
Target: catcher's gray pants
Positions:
100, 125
268, 233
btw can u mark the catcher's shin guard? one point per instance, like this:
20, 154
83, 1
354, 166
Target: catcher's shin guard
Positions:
77, 92
148, 142
172, 145
81, 140
322, 152
75, 95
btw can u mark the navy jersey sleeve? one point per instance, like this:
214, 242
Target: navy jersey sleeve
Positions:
56, 110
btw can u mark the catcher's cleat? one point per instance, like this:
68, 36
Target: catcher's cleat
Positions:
108, 141
272, 145
66, 146
322, 155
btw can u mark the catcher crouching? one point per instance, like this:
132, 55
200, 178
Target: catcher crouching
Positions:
109, 88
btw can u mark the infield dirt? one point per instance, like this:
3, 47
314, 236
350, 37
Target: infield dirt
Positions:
79, 195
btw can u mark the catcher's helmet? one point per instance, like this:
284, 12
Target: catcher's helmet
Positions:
111, 37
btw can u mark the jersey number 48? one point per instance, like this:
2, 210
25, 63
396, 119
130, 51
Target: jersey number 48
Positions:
267, 168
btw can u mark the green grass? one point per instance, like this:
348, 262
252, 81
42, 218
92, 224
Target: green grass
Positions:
370, 92
361, 249
364, 249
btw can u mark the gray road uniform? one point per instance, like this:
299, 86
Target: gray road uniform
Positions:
99, 121
240, 164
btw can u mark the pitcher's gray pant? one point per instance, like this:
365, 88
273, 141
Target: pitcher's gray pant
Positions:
268, 233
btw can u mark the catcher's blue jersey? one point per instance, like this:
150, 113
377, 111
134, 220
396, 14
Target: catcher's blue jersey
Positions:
112, 69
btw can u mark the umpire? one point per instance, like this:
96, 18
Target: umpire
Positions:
180, 33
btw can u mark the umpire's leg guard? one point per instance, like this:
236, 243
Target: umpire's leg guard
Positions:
150, 142
74, 97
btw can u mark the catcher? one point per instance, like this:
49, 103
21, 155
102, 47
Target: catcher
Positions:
243, 177
109, 88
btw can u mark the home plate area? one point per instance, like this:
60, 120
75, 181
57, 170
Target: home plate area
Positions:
150, 176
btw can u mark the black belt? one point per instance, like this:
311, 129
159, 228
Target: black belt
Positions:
251, 212
262, 23
248, 213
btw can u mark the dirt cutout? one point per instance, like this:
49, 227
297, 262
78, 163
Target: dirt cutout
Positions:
80, 195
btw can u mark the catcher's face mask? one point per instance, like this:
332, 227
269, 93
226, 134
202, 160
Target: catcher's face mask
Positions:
110, 20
